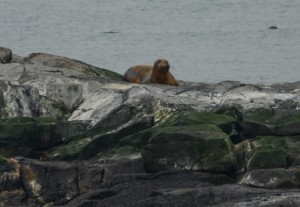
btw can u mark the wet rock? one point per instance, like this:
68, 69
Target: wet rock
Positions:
5, 55
196, 147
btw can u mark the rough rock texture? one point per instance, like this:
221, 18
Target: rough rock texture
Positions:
88, 138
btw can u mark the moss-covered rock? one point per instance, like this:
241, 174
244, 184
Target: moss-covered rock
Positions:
138, 140
265, 122
23, 136
267, 157
194, 147
274, 152
225, 122
105, 135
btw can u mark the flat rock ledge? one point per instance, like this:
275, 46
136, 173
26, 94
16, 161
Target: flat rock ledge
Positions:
72, 134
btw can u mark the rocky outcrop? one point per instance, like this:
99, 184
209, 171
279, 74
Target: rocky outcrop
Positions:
72, 134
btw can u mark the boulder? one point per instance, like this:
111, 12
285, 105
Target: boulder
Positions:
25, 136
264, 157
194, 147
273, 121
5, 55
272, 178
274, 152
270, 161
105, 135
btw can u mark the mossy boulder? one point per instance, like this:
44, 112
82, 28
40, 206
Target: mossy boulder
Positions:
23, 136
274, 121
194, 147
274, 152
267, 157
225, 122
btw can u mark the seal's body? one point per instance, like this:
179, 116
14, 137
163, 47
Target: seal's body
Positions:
159, 73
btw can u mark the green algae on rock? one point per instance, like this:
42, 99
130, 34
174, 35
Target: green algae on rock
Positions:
30, 135
225, 122
275, 121
194, 147
274, 152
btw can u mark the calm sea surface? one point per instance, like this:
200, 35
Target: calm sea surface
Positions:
204, 40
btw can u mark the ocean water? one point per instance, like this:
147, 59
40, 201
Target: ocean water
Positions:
204, 40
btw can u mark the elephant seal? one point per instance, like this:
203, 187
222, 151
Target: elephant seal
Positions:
159, 73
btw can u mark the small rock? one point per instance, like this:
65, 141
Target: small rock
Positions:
5, 55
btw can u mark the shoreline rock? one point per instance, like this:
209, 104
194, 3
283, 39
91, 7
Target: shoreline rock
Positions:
96, 138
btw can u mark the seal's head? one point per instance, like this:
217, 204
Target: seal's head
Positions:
161, 66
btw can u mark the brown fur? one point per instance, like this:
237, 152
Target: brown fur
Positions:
159, 73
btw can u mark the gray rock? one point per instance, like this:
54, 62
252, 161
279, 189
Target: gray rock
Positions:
63, 62
18, 101
272, 178
69, 95
17, 59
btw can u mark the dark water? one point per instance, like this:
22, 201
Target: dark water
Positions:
204, 40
